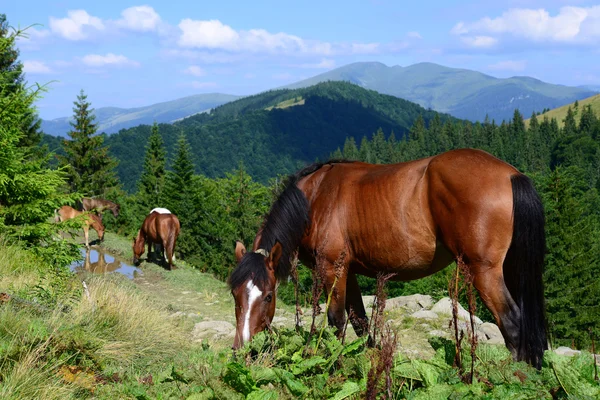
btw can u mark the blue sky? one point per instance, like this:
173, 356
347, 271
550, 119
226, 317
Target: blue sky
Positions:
129, 54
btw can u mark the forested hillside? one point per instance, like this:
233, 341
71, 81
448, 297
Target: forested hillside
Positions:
274, 132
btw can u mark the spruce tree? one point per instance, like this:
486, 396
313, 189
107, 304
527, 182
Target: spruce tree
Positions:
90, 168
29, 191
152, 180
179, 194
13, 81
350, 151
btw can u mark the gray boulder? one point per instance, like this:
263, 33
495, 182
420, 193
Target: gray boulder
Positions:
213, 329
444, 306
424, 314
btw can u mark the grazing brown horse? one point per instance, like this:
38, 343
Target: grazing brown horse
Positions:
157, 229
408, 219
90, 220
99, 206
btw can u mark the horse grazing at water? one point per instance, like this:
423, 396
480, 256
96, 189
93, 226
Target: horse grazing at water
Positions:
411, 220
90, 220
157, 229
99, 206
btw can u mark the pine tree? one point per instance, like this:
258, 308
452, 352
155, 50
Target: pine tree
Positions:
570, 127
572, 287
588, 120
13, 81
152, 180
179, 194
29, 191
178, 187
365, 153
90, 168
380, 151
350, 151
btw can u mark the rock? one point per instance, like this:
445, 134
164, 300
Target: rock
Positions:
444, 306
414, 302
566, 351
439, 333
494, 340
213, 329
424, 314
490, 330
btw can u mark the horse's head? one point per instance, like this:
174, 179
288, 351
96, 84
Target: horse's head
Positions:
254, 288
138, 248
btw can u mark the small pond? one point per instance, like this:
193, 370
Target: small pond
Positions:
98, 261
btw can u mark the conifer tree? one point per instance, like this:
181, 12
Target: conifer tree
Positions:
29, 191
90, 168
350, 151
152, 180
13, 81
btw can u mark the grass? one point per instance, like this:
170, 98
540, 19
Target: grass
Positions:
296, 101
560, 113
119, 339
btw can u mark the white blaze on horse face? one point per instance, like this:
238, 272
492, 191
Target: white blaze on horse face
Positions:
253, 293
160, 210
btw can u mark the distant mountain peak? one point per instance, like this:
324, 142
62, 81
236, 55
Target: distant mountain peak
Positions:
460, 92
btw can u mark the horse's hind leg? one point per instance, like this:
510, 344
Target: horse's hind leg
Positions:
355, 306
489, 282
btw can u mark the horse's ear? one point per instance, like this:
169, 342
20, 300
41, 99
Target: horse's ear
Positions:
275, 255
240, 250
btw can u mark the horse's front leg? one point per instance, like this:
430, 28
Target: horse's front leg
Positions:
355, 306
335, 284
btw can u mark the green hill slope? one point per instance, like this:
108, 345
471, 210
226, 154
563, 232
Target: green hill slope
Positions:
274, 132
561, 112
113, 119
462, 93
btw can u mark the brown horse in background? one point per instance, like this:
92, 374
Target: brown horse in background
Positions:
157, 229
99, 206
407, 219
89, 220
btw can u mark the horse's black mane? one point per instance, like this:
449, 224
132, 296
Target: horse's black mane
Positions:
285, 223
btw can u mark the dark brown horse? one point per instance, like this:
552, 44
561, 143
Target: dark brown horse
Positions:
408, 219
89, 220
99, 206
157, 229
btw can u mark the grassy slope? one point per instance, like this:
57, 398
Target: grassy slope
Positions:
560, 113
121, 340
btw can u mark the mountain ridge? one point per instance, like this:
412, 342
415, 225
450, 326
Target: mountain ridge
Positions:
463, 93
112, 119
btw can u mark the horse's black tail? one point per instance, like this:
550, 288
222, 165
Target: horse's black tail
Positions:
523, 269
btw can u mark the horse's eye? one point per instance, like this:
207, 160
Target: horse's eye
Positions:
269, 298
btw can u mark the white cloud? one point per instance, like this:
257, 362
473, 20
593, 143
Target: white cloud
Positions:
203, 85
110, 59
76, 26
213, 34
508, 65
571, 25
481, 42
195, 71
139, 19
414, 35
36, 67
